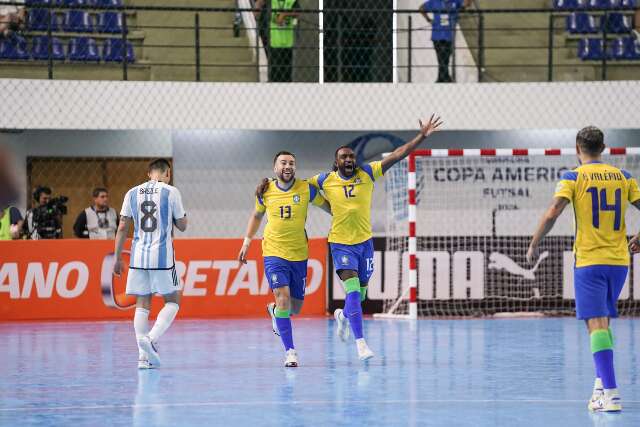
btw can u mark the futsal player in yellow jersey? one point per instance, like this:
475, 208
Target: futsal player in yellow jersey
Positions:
349, 190
599, 194
284, 245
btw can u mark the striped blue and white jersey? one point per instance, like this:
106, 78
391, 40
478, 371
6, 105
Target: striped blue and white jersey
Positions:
153, 206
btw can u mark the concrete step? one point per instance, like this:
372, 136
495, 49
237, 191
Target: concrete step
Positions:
66, 71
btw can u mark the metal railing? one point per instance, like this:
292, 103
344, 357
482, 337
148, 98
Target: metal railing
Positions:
351, 45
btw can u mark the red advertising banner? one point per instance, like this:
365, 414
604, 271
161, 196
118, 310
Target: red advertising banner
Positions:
72, 279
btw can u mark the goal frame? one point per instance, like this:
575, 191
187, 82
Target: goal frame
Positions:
412, 289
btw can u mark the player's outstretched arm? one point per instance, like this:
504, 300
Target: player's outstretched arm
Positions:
121, 236
252, 229
546, 224
404, 150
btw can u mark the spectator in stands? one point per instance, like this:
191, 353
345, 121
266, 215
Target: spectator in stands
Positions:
98, 221
281, 37
12, 18
444, 21
10, 223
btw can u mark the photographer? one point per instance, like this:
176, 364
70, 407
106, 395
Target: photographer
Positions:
44, 220
98, 221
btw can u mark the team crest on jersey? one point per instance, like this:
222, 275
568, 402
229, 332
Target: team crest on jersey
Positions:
296, 198
274, 278
345, 260
357, 181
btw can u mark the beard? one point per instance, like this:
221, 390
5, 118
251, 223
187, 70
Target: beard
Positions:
286, 178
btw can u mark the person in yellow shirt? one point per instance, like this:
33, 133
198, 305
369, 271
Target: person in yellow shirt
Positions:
284, 246
349, 190
600, 194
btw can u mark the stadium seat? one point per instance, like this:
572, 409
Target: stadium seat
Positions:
628, 4
602, 4
110, 22
630, 49
77, 21
36, 3
617, 23
565, 4
109, 3
591, 50
40, 48
37, 20
582, 23
14, 48
83, 49
112, 51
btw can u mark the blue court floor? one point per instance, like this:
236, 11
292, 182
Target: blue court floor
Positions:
516, 372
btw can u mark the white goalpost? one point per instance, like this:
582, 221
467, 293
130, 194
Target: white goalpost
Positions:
459, 223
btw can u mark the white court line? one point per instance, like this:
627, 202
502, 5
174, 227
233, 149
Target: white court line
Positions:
293, 402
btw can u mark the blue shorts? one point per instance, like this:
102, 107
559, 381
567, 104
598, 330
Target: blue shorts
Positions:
354, 257
597, 290
281, 272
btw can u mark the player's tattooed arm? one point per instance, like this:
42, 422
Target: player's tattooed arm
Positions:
262, 187
252, 228
404, 150
121, 237
546, 224
634, 243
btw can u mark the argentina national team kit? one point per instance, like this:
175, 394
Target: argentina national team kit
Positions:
153, 207
599, 193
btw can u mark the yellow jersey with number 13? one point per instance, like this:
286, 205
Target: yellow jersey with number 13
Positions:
350, 200
284, 234
600, 194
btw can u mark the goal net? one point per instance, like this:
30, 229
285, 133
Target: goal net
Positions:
460, 222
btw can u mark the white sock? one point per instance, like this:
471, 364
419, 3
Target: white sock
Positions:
361, 341
164, 320
610, 392
141, 326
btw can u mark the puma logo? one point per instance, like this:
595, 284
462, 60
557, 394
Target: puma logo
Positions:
498, 261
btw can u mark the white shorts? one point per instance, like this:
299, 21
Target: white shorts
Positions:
145, 282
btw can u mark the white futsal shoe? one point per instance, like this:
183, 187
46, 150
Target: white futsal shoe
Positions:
609, 402
291, 360
151, 349
145, 364
271, 309
596, 395
364, 352
343, 330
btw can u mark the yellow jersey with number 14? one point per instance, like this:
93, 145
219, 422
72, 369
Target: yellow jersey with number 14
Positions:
600, 194
284, 234
350, 200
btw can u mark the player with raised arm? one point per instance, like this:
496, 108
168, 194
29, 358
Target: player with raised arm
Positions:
349, 190
153, 207
599, 194
285, 201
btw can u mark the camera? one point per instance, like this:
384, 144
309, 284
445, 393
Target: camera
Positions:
47, 219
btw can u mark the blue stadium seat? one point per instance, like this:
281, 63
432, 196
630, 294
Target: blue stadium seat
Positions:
109, 3
37, 20
36, 3
74, 3
617, 23
582, 23
110, 22
14, 48
590, 49
602, 4
565, 4
83, 49
112, 51
628, 4
77, 21
630, 49
40, 48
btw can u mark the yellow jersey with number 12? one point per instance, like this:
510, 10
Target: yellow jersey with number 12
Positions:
350, 200
284, 234
600, 194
